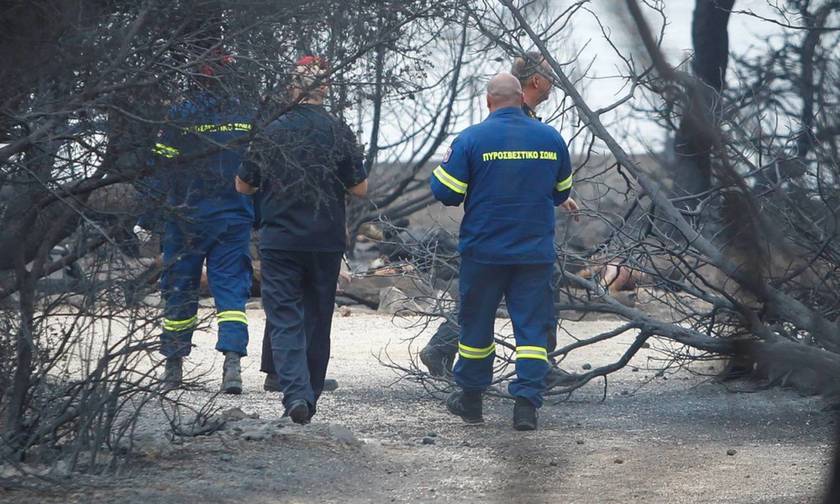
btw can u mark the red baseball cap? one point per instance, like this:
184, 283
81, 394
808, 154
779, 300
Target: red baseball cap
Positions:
218, 59
309, 59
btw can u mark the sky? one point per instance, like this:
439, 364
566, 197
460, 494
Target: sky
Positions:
746, 34
603, 84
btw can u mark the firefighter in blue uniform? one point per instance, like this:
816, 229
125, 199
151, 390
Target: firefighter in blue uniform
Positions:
510, 172
534, 76
206, 219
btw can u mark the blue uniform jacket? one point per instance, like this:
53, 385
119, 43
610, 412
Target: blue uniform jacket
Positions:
510, 171
196, 164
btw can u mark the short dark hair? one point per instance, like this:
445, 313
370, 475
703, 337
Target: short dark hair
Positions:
527, 65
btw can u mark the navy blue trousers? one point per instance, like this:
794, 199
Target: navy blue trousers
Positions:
298, 294
225, 247
528, 294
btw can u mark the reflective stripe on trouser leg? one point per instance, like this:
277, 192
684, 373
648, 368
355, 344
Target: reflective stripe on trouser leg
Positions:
481, 287
529, 302
474, 368
468, 352
183, 255
180, 325
531, 362
233, 331
531, 352
232, 316
177, 336
229, 278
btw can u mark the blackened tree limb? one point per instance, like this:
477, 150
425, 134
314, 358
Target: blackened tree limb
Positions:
827, 331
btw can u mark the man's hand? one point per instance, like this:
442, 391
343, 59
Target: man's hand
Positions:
142, 234
571, 206
359, 190
244, 187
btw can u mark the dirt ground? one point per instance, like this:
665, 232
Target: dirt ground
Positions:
675, 439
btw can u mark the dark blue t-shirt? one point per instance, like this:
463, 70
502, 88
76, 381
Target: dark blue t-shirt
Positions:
303, 164
510, 171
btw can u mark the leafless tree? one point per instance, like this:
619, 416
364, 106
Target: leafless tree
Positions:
734, 231
86, 86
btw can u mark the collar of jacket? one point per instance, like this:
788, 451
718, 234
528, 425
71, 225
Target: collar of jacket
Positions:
530, 112
506, 111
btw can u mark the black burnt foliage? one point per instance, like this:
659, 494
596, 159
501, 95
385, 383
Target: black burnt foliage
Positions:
85, 89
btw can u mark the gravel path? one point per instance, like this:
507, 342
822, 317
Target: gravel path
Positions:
678, 439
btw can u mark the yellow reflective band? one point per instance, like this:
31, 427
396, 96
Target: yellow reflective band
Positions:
564, 184
469, 352
531, 352
180, 325
449, 181
232, 316
165, 150
209, 128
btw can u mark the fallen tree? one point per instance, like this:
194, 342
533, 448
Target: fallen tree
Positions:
745, 261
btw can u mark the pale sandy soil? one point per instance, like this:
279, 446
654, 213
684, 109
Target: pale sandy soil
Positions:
664, 442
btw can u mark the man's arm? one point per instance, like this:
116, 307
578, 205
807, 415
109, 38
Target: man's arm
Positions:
450, 180
351, 170
563, 183
563, 187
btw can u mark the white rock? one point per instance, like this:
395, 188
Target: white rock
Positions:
153, 300
392, 300
343, 435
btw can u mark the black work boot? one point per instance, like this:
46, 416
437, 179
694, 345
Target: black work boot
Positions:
173, 373
271, 383
436, 360
298, 411
524, 415
232, 374
466, 405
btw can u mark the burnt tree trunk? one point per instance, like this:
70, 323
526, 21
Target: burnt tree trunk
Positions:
710, 39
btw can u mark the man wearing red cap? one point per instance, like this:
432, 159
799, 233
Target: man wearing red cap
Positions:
304, 165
